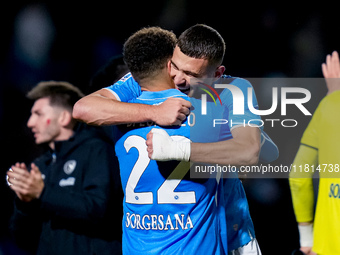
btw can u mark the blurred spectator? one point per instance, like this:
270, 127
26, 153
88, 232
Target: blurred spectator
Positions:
69, 202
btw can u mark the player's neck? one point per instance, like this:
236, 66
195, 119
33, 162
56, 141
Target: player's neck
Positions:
159, 82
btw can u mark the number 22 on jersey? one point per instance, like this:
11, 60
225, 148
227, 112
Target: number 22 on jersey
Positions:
166, 193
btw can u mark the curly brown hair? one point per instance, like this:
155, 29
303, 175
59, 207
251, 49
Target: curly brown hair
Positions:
148, 51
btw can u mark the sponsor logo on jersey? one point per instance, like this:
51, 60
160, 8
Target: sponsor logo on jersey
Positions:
334, 190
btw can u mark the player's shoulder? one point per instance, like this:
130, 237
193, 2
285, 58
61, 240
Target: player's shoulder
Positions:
237, 81
126, 78
328, 108
160, 95
241, 83
331, 100
125, 89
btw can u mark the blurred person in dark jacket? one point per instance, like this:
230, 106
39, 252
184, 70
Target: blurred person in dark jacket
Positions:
69, 199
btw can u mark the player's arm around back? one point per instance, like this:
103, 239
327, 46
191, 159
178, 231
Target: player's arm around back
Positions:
243, 149
103, 108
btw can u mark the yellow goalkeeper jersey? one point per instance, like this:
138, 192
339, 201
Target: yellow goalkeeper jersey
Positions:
320, 152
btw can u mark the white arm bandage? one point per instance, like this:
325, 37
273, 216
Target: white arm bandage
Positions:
306, 235
165, 148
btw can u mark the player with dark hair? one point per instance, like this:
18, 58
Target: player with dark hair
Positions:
208, 46
165, 212
201, 57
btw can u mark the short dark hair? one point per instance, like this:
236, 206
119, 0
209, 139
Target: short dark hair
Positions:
60, 93
202, 42
148, 50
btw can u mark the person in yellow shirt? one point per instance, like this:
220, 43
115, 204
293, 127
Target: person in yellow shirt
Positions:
319, 151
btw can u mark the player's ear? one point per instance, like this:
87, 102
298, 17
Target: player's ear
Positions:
219, 71
65, 118
169, 66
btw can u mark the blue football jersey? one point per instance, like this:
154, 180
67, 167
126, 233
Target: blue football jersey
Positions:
125, 89
239, 225
165, 211
239, 228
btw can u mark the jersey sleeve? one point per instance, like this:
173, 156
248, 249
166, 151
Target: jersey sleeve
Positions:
301, 184
125, 89
300, 178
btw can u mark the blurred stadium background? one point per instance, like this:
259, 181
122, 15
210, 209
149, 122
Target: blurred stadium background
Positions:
65, 40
